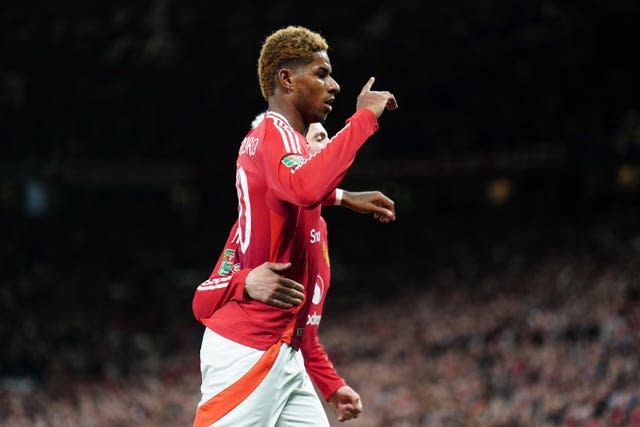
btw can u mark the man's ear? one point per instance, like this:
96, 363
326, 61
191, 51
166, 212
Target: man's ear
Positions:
285, 79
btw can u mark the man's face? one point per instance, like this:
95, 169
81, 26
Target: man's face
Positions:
317, 137
315, 89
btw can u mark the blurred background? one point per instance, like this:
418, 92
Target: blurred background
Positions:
507, 292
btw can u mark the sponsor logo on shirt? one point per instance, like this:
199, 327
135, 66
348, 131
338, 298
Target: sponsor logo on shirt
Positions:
315, 236
318, 290
314, 319
227, 264
292, 160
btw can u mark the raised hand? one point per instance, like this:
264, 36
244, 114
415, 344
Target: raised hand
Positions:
264, 284
374, 100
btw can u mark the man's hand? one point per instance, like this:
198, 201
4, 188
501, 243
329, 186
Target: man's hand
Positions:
365, 202
346, 402
264, 284
374, 100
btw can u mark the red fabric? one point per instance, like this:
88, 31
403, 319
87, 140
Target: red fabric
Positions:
330, 200
207, 300
316, 360
226, 282
280, 189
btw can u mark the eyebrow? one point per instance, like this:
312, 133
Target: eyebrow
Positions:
323, 68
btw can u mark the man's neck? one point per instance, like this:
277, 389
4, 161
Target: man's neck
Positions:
287, 110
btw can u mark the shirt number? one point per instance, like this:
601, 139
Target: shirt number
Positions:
244, 210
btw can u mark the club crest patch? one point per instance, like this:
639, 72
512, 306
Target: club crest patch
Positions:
292, 160
227, 264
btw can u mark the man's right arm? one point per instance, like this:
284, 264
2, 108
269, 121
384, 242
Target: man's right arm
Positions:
307, 180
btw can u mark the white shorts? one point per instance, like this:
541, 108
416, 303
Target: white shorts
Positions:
243, 386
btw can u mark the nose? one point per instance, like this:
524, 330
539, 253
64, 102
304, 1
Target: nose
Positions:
333, 85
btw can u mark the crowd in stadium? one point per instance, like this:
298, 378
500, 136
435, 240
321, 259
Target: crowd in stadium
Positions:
546, 340
120, 131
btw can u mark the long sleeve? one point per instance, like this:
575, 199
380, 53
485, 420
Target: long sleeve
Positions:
316, 360
306, 180
331, 199
225, 283
318, 365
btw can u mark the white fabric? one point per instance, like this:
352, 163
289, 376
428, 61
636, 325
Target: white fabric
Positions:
285, 398
339, 194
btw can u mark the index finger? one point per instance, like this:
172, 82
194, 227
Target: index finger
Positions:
367, 85
385, 201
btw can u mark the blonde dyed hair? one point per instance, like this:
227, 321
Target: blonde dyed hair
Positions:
287, 47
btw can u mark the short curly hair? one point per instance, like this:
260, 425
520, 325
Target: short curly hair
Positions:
288, 46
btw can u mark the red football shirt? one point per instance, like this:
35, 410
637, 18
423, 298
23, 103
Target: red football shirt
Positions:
280, 189
226, 283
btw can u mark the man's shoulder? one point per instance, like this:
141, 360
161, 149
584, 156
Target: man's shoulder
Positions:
277, 135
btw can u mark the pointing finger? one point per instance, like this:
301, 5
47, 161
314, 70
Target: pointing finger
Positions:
367, 85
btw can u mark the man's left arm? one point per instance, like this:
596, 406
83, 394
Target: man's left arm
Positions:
333, 387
